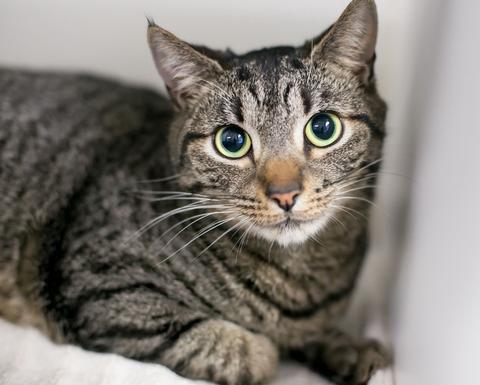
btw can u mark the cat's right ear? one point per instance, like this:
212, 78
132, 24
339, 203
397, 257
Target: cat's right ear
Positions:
185, 71
350, 41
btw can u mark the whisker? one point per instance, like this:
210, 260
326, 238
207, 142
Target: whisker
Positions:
208, 229
342, 208
350, 182
195, 221
333, 217
183, 221
179, 198
152, 221
372, 163
158, 180
222, 235
243, 240
349, 210
270, 250
168, 214
172, 192
368, 186
314, 238
358, 199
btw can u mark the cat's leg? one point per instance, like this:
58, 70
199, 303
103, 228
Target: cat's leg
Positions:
222, 352
142, 325
342, 358
28, 357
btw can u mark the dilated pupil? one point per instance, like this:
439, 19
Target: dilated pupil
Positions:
323, 126
233, 139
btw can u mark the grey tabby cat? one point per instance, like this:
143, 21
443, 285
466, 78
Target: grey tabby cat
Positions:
213, 236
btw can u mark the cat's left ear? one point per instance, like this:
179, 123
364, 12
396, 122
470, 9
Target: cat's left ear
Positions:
185, 71
350, 42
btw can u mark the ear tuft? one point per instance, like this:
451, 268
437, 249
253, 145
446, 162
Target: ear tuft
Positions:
185, 70
350, 42
150, 21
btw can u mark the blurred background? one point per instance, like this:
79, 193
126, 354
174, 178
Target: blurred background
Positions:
423, 269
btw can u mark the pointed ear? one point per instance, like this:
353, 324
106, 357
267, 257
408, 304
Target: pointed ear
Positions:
184, 70
350, 42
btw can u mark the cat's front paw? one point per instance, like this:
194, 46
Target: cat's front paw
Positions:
224, 353
355, 364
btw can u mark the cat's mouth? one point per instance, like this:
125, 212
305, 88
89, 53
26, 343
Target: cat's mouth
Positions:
291, 229
289, 221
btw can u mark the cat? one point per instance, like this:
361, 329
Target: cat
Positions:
214, 233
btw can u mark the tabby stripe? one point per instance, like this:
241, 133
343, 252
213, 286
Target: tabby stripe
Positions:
237, 109
291, 313
307, 100
191, 290
215, 262
170, 340
286, 94
245, 376
181, 365
127, 331
187, 139
253, 91
364, 118
106, 293
64, 144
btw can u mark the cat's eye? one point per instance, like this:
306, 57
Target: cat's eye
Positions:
323, 129
232, 142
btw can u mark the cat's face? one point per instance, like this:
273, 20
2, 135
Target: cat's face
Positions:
276, 137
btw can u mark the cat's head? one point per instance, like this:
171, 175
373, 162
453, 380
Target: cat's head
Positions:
276, 136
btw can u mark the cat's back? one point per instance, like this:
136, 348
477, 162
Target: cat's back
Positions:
54, 129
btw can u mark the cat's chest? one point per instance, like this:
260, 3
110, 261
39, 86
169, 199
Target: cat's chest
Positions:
267, 298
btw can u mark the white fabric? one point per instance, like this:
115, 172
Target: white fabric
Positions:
28, 358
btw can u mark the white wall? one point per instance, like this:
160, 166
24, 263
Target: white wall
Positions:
437, 317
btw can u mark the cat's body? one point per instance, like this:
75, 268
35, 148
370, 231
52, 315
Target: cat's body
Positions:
86, 164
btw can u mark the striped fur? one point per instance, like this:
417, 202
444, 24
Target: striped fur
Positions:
122, 230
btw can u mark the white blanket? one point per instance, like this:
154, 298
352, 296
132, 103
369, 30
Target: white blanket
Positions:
28, 358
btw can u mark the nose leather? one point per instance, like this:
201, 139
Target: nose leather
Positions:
284, 195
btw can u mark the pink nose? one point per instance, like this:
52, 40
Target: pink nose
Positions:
285, 195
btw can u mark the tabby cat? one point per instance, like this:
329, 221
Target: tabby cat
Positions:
213, 234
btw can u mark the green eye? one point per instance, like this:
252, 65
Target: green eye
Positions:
232, 142
323, 129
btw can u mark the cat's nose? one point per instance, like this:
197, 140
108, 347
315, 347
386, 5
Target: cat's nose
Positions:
284, 195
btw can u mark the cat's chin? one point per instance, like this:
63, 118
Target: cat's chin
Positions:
291, 232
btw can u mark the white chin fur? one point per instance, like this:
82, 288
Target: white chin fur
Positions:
293, 234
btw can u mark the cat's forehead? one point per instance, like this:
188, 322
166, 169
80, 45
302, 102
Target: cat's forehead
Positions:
269, 64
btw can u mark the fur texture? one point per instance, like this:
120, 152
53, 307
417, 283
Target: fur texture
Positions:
124, 230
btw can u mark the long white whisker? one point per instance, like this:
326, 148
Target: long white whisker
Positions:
368, 186
168, 214
368, 165
183, 221
170, 192
164, 179
358, 199
342, 208
209, 228
350, 182
349, 210
222, 235
242, 240
270, 250
179, 198
338, 221
195, 221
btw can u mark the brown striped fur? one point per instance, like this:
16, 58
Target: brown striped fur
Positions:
225, 282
